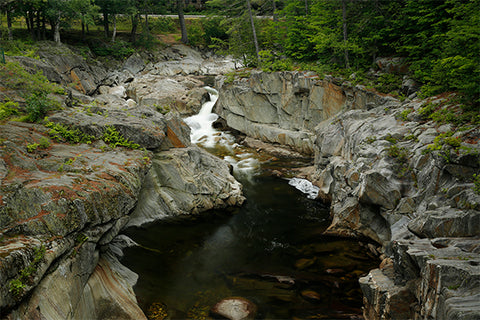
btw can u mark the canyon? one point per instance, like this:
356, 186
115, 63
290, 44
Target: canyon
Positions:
63, 208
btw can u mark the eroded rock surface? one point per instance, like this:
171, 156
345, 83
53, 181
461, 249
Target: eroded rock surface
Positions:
56, 204
185, 181
389, 174
62, 205
285, 107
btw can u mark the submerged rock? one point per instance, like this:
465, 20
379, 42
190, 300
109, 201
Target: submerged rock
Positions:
235, 308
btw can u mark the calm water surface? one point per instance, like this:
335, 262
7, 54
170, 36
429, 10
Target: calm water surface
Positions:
270, 251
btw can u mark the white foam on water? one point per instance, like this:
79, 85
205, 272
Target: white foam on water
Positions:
305, 186
203, 134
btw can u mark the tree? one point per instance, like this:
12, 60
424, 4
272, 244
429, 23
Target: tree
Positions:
181, 19
252, 23
86, 11
345, 35
7, 7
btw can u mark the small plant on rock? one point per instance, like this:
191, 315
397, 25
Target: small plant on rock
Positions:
476, 183
114, 139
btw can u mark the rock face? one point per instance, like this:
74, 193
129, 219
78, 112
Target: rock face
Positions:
385, 183
285, 107
62, 205
57, 205
185, 181
388, 174
61, 65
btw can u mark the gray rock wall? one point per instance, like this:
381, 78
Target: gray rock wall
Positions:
375, 165
285, 107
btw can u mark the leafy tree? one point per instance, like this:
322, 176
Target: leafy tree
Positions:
58, 11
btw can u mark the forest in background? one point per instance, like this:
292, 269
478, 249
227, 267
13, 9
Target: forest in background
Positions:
438, 39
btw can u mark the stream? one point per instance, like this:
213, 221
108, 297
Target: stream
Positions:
270, 251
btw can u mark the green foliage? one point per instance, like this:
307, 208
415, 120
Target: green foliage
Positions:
7, 109
63, 134
163, 109
394, 151
26, 48
147, 41
118, 49
14, 77
370, 139
427, 110
17, 286
31, 147
114, 139
391, 139
270, 62
404, 114
37, 106
476, 183
163, 25
196, 35
445, 143
388, 82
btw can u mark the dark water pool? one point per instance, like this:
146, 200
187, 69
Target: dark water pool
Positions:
270, 251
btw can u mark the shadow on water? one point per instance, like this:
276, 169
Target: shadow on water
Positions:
271, 251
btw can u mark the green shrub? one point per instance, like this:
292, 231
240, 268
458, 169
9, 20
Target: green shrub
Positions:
118, 49
388, 82
37, 106
476, 183
114, 139
270, 62
196, 35
61, 133
13, 76
31, 147
7, 109
17, 286
404, 114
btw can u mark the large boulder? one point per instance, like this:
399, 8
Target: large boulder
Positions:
183, 60
143, 126
183, 94
185, 181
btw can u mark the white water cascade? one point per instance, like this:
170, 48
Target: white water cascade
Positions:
219, 142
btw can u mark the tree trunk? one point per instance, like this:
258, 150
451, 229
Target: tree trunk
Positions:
133, 33
38, 25
56, 32
114, 27
275, 17
181, 18
44, 28
31, 22
147, 28
9, 23
306, 7
82, 20
345, 38
105, 24
255, 41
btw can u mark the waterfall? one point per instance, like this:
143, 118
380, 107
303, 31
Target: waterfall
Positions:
219, 142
